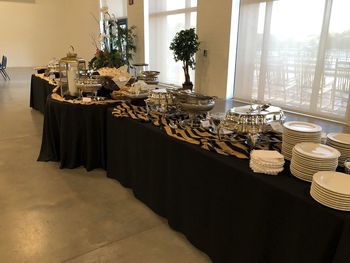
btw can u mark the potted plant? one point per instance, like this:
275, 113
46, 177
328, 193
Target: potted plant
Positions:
116, 44
184, 46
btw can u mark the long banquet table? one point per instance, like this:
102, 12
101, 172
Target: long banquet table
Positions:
222, 207
74, 134
39, 90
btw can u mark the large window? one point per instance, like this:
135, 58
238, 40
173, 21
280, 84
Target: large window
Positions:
166, 18
296, 54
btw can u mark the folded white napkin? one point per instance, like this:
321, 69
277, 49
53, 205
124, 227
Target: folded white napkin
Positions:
267, 156
265, 170
267, 162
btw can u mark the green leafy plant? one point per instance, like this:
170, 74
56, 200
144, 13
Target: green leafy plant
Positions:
116, 44
184, 46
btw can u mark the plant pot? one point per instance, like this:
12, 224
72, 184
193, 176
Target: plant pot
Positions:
187, 85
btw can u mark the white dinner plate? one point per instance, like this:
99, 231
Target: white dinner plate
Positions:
314, 161
330, 200
301, 126
311, 169
342, 138
327, 200
300, 175
316, 150
334, 181
338, 145
332, 196
325, 203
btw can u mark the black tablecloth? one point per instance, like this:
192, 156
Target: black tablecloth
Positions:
223, 208
74, 134
39, 90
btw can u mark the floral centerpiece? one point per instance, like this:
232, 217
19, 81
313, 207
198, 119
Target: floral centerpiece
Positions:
115, 46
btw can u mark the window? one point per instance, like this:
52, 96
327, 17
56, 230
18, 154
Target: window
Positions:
166, 18
296, 54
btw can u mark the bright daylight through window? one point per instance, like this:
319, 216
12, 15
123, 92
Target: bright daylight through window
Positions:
296, 54
167, 17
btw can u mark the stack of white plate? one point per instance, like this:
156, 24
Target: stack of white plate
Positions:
341, 142
331, 189
297, 131
308, 158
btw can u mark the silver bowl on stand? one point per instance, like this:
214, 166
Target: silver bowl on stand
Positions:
196, 105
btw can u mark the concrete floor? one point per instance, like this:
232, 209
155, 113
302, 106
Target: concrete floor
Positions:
53, 215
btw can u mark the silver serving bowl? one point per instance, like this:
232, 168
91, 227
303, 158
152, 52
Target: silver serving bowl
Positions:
197, 108
194, 102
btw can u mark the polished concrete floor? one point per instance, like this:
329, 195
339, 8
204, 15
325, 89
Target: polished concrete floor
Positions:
53, 215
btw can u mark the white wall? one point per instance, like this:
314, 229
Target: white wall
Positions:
213, 29
117, 7
34, 31
81, 27
138, 17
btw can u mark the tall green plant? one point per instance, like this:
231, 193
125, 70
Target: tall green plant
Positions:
184, 46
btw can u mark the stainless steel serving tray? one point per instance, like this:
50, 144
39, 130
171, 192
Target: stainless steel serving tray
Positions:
252, 119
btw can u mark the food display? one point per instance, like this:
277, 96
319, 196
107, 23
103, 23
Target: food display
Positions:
114, 78
138, 90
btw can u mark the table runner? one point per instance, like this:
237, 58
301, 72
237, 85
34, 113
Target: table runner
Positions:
198, 136
50, 81
57, 97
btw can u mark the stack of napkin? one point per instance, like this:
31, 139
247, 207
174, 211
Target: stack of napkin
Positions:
267, 162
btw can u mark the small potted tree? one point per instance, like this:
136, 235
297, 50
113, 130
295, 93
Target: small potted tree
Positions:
184, 46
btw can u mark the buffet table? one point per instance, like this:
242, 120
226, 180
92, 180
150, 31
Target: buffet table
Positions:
74, 134
39, 90
222, 207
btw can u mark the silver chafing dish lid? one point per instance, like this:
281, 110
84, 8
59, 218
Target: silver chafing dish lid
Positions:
255, 109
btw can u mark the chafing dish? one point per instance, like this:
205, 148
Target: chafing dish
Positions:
160, 100
88, 85
252, 120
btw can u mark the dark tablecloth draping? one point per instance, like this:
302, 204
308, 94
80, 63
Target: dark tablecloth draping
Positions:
74, 134
223, 208
39, 90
